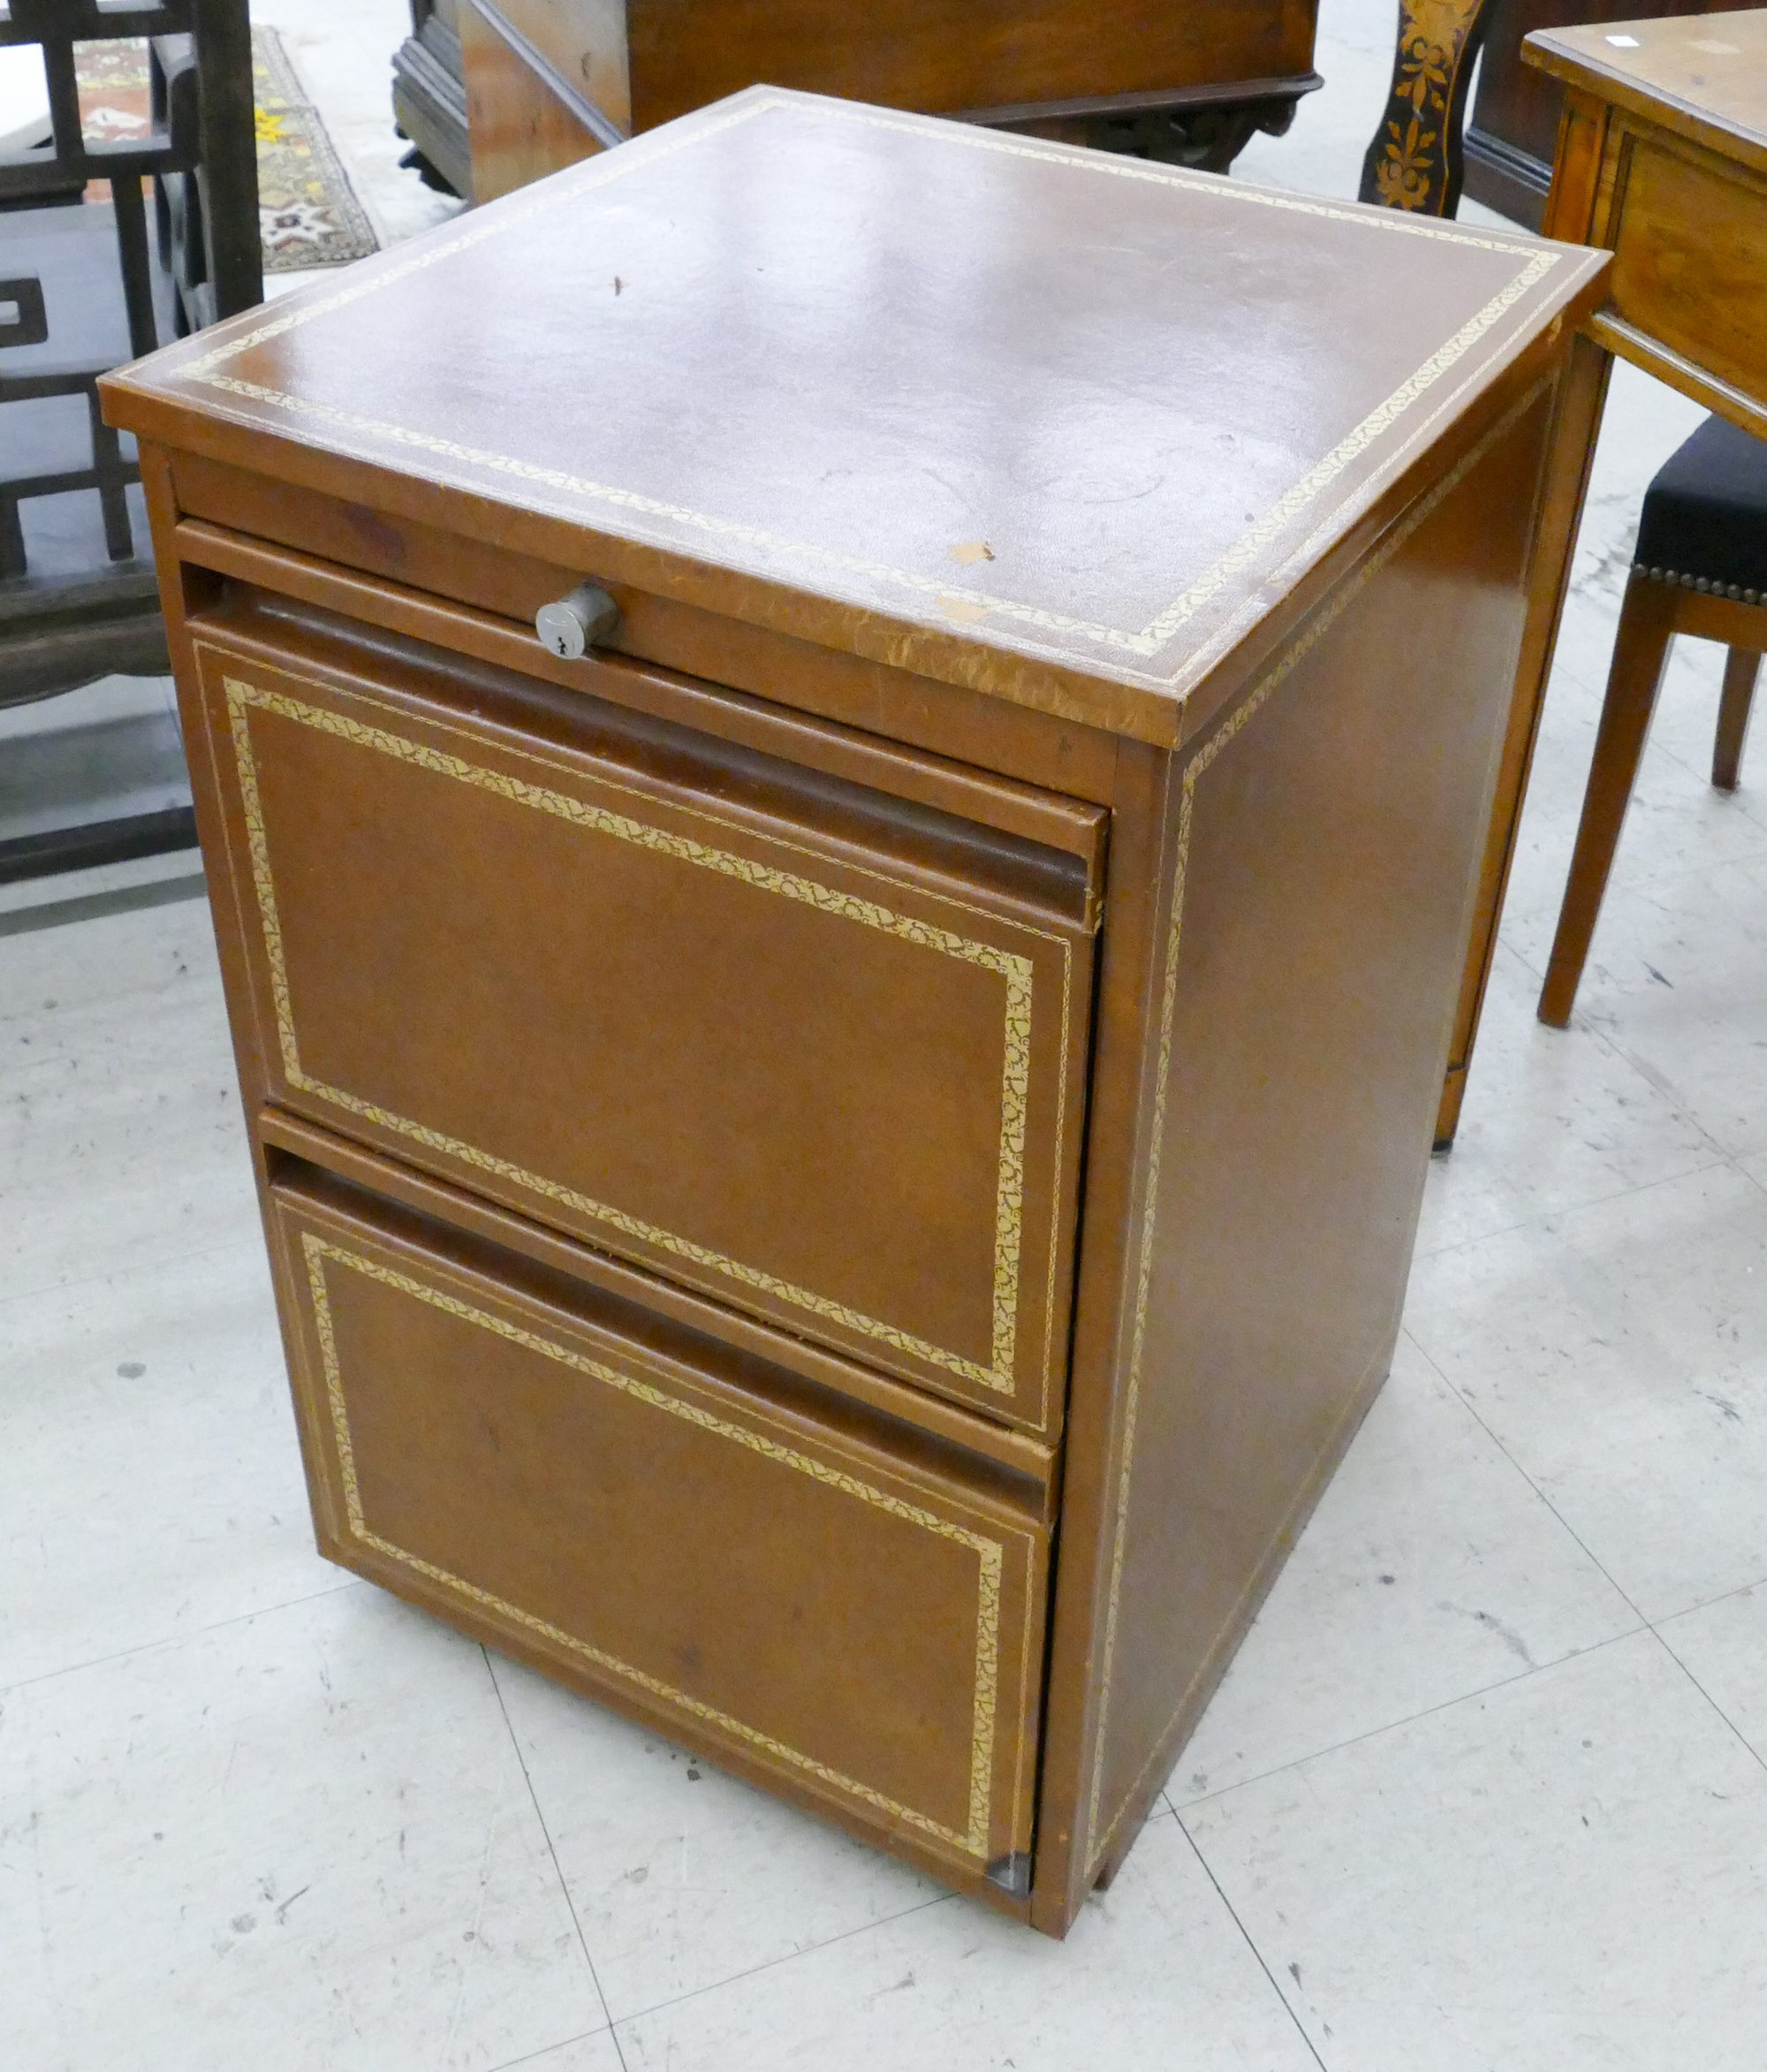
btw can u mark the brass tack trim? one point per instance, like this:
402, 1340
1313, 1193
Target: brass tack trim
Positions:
1737, 593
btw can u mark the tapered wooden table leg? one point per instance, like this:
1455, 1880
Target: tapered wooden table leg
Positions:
1567, 474
1646, 622
1740, 669
1118, 1856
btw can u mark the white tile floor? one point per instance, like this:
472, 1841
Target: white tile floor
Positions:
1486, 1788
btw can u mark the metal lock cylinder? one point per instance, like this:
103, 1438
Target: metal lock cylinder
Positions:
570, 626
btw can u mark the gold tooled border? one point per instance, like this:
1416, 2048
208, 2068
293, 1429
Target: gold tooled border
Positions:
971, 604
990, 1553
1095, 1844
1016, 971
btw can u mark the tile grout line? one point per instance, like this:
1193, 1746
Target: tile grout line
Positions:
551, 1850
1233, 1915
547, 2049
173, 1639
939, 1899
256, 1243
1646, 1625
1600, 1568
1705, 1604
1411, 1718
1719, 1157
1583, 1025
1704, 1693
1658, 1080
1653, 1077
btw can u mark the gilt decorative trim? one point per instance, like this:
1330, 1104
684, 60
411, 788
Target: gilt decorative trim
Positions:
973, 1840
1094, 1844
934, 600
999, 1374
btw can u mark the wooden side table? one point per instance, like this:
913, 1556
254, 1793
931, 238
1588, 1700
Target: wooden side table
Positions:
1513, 130
1663, 162
843, 762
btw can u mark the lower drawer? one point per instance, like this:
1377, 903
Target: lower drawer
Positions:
617, 1499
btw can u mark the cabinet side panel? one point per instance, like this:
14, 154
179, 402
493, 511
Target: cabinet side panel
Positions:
1328, 837
519, 127
584, 39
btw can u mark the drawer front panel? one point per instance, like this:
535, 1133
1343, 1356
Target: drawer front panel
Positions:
858, 1628
1688, 267
780, 1067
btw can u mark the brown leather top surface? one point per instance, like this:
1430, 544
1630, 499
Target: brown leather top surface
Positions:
1703, 74
1054, 422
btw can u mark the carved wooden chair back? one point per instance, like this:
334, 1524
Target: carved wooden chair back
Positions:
200, 148
1416, 161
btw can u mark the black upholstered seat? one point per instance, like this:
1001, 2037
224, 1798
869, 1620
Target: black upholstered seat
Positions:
1704, 522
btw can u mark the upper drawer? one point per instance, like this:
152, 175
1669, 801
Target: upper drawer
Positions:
1687, 266
785, 1038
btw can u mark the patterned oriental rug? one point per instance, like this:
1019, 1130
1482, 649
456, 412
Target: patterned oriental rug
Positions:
308, 210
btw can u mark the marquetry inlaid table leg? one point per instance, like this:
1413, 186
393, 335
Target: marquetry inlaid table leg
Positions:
1647, 628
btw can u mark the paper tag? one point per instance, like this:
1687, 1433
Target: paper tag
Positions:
1624, 43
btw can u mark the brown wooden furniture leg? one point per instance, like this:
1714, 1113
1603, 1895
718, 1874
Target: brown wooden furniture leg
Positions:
1741, 668
1118, 1856
1647, 622
1561, 504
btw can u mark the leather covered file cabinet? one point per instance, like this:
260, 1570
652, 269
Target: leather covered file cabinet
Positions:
840, 1165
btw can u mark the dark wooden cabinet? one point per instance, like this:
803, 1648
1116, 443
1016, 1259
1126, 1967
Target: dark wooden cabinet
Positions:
841, 1168
548, 83
1515, 126
429, 96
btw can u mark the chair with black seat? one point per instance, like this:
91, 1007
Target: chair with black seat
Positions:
85, 288
1700, 569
